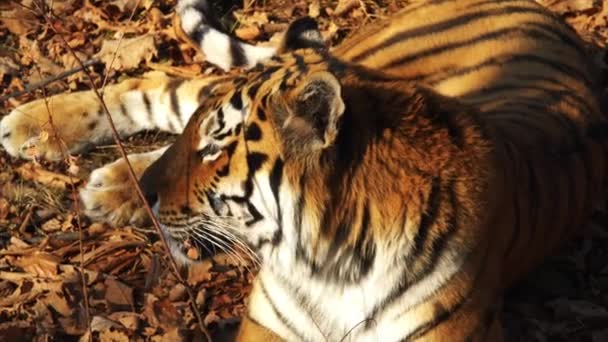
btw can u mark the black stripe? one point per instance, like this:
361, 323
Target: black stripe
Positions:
255, 215
275, 180
433, 206
253, 132
205, 92
302, 67
238, 53
427, 219
255, 160
261, 114
502, 60
434, 29
288, 324
124, 113
363, 230
426, 266
148, 106
237, 100
556, 95
173, 87
444, 314
502, 34
219, 119
199, 34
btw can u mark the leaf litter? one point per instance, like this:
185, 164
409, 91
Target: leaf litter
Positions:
131, 292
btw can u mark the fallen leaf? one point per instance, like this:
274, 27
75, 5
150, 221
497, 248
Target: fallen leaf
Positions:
568, 6
345, 6
106, 330
8, 67
129, 53
314, 9
19, 20
118, 294
51, 179
4, 208
129, 320
40, 264
248, 32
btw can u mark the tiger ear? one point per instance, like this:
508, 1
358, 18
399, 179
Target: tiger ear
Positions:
313, 112
302, 33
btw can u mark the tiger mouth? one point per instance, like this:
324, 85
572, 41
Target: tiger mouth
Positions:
187, 249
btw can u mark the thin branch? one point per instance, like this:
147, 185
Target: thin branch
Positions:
135, 181
30, 88
74, 193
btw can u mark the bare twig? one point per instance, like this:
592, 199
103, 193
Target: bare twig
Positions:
134, 180
30, 88
74, 193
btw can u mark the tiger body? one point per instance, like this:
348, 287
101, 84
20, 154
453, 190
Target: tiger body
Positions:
393, 187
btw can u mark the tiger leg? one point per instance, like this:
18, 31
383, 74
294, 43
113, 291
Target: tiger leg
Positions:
69, 123
110, 195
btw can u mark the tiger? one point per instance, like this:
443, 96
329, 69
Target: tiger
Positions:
392, 186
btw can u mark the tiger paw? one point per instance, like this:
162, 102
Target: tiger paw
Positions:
110, 195
29, 131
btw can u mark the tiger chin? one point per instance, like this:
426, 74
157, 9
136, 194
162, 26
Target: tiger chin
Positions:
392, 186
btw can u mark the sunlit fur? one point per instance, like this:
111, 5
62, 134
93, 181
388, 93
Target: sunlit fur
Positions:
390, 188
463, 156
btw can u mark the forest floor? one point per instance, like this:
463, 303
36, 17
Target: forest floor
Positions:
130, 292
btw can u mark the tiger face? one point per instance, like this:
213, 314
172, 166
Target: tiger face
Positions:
226, 177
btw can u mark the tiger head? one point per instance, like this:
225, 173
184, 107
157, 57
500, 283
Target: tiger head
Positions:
226, 177
285, 153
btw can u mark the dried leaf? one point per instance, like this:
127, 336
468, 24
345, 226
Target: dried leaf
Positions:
51, 179
8, 67
345, 6
248, 33
19, 20
40, 264
314, 9
107, 331
568, 6
129, 320
129, 54
117, 293
4, 208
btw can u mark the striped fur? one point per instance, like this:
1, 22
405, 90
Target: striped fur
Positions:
392, 187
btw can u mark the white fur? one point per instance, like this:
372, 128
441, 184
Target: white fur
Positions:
340, 308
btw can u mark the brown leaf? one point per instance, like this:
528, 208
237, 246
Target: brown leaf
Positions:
107, 331
7, 67
129, 320
175, 334
117, 293
40, 264
199, 272
51, 179
129, 53
248, 32
345, 6
314, 9
130, 5
19, 20
568, 6
4, 208
177, 293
